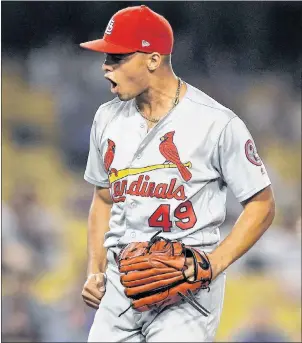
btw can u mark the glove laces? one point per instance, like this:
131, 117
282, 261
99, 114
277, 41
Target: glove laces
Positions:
193, 302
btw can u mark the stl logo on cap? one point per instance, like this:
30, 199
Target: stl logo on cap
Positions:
109, 27
145, 43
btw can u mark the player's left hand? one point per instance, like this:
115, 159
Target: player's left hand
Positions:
189, 273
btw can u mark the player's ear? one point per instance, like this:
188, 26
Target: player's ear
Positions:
153, 61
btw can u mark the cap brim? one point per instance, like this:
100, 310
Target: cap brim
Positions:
101, 45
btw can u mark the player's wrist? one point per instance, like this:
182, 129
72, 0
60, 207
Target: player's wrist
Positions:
91, 274
95, 268
217, 264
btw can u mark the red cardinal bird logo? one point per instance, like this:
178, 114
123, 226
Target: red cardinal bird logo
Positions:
169, 151
109, 156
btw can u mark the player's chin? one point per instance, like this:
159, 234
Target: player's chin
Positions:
124, 96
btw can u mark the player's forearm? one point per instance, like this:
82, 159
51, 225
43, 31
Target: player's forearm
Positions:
255, 219
98, 225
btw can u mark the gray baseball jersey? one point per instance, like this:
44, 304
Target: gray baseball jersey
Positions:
173, 178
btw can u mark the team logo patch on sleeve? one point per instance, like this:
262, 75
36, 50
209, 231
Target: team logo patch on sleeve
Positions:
251, 153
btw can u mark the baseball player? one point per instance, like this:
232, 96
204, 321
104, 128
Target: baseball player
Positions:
162, 154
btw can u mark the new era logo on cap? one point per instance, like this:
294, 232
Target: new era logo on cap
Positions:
145, 43
109, 27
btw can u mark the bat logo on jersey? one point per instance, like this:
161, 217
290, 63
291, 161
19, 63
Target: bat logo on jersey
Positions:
109, 156
169, 150
251, 153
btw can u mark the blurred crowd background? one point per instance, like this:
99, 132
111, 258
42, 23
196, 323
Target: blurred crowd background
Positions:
246, 55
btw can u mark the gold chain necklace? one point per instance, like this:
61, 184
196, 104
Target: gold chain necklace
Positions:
175, 102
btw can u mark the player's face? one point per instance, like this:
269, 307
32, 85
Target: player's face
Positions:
127, 73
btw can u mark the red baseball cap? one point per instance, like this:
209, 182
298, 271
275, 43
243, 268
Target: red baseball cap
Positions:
132, 29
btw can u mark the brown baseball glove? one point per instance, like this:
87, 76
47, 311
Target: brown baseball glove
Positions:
153, 273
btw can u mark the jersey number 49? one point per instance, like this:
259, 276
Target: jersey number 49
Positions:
184, 213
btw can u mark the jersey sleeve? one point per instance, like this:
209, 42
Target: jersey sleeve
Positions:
238, 161
95, 171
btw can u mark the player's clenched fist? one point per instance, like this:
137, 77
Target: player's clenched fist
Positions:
94, 289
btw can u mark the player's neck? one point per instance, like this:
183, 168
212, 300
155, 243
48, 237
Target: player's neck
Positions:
158, 99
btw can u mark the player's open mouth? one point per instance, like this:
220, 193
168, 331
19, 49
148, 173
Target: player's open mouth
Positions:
113, 86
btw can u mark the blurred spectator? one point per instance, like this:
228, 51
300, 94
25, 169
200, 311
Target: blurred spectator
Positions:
23, 317
31, 248
16, 256
37, 228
